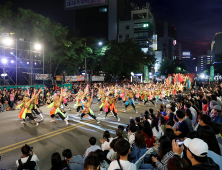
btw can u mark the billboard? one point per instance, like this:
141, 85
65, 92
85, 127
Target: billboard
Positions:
83, 3
74, 78
42, 76
186, 54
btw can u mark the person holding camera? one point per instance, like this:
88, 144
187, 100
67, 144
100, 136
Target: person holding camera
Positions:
28, 159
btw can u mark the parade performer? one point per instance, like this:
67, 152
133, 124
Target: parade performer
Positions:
129, 100
26, 110
111, 107
55, 105
88, 110
104, 102
34, 106
65, 102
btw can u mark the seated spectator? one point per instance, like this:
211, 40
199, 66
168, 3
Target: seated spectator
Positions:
132, 136
177, 163
163, 123
123, 149
176, 121
57, 163
138, 124
106, 141
28, 153
139, 147
188, 119
93, 146
193, 112
74, 162
217, 116
112, 153
103, 164
157, 131
197, 151
165, 153
207, 135
6, 105
2, 109
147, 132
183, 128
119, 133
204, 120
92, 162
171, 114
122, 128
169, 133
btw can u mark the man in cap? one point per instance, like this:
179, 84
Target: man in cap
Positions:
217, 117
196, 152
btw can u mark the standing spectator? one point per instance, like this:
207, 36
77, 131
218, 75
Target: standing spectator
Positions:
193, 112
203, 121
188, 119
2, 109
74, 162
171, 115
204, 106
123, 149
93, 146
12, 98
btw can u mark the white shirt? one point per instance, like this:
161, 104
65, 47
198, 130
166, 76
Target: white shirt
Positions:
156, 133
132, 139
110, 154
91, 149
194, 115
34, 158
126, 165
105, 145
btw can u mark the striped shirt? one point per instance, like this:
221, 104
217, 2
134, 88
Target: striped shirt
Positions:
163, 164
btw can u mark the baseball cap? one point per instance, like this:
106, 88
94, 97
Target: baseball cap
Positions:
216, 107
197, 146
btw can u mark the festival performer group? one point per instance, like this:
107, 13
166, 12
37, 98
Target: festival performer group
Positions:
107, 98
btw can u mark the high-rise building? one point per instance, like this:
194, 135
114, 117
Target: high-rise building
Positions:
216, 48
98, 18
166, 36
204, 62
141, 27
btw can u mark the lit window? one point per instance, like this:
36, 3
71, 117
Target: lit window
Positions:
103, 10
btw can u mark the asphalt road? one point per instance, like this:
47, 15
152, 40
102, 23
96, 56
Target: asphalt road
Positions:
48, 137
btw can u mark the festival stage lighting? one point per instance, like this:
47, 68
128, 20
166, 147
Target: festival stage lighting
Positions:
38, 47
35, 63
12, 61
11, 53
8, 41
4, 61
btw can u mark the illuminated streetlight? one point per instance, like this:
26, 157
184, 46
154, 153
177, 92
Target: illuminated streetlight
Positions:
8, 41
11, 53
12, 61
4, 61
100, 43
38, 47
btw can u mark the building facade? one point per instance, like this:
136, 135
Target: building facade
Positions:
216, 48
141, 27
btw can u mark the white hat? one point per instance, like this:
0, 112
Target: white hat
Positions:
197, 146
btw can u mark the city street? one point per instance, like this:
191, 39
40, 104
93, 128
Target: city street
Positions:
48, 137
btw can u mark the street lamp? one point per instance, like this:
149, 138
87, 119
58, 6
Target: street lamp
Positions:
4, 61
37, 47
100, 43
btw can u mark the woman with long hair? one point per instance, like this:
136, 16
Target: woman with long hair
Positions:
139, 148
157, 131
147, 132
207, 135
57, 163
106, 141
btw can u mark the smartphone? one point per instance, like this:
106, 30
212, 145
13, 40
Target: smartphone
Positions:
179, 142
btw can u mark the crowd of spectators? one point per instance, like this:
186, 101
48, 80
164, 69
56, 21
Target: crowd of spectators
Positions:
185, 134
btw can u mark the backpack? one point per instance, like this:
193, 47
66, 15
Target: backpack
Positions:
29, 165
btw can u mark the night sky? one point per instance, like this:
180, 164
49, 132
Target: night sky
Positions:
196, 21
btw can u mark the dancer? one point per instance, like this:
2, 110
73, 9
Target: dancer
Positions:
110, 107
55, 105
129, 100
34, 105
88, 110
26, 110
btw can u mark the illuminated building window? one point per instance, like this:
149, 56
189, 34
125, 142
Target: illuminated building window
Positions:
103, 10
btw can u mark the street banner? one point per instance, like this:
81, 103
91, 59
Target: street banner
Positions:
212, 73
97, 78
58, 78
74, 78
146, 70
42, 76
